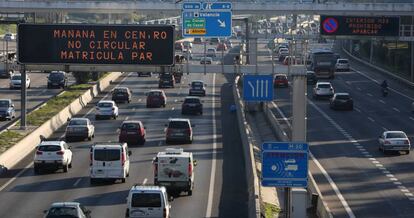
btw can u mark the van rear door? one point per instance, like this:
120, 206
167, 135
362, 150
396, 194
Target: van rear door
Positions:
107, 162
173, 169
147, 204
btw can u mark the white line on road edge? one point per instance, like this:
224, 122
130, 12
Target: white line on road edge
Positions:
282, 114
145, 181
334, 187
77, 182
382, 101
396, 109
213, 161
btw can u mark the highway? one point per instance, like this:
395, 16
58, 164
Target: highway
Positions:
364, 181
219, 176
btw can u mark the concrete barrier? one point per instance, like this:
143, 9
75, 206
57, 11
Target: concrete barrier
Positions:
251, 173
25, 146
274, 123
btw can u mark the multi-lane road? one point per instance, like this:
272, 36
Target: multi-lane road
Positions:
219, 176
356, 179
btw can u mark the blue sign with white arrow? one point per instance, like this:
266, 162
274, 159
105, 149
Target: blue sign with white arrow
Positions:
285, 164
206, 19
258, 88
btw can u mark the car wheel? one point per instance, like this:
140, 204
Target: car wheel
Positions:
114, 117
66, 168
89, 138
123, 180
190, 192
36, 170
407, 152
70, 164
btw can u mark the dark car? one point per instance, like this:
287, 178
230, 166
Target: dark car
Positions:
179, 130
342, 101
132, 132
281, 80
121, 94
311, 78
7, 111
146, 74
197, 88
179, 46
166, 80
5, 74
156, 98
192, 105
57, 79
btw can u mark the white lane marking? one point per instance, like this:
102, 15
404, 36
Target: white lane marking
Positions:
139, 100
411, 118
145, 181
397, 183
396, 109
126, 118
175, 100
172, 108
334, 187
408, 194
16, 176
133, 109
380, 166
369, 94
382, 101
389, 175
359, 89
372, 120
213, 161
282, 114
77, 182
372, 159
385, 129
357, 109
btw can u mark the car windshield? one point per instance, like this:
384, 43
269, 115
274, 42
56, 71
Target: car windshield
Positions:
78, 122
166, 76
211, 50
154, 94
191, 100
56, 76
105, 104
62, 212
343, 61
324, 86
120, 90
107, 154
4, 103
146, 200
196, 84
396, 135
343, 97
16, 77
49, 148
178, 125
280, 77
130, 126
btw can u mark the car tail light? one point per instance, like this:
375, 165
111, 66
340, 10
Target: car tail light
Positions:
189, 131
39, 152
387, 142
190, 169
406, 142
142, 131
168, 131
164, 212
60, 152
113, 108
123, 157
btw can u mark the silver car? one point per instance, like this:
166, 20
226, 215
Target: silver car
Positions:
342, 65
16, 83
67, 209
394, 141
79, 128
323, 89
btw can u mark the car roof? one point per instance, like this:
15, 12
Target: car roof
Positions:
65, 204
156, 90
280, 74
342, 93
192, 97
200, 81
106, 101
50, 143
177, 152
57, 72
5, 99
323, 83
107, 145
386, 132
131, 121
178, 119
121, 87
79, 118
141, 188
342, 59
16, 74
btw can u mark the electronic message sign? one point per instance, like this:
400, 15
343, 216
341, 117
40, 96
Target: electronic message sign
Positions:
95, 44
359, 26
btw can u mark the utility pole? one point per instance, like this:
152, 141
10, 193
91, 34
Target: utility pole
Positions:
23, 98
246, 21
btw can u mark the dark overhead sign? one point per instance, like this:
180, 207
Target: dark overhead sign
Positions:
96, 44
359, 26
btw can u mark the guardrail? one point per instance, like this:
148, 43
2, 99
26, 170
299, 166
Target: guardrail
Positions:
25, 146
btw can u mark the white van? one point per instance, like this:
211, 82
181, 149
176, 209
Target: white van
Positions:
109, 161
173, 168
148, 201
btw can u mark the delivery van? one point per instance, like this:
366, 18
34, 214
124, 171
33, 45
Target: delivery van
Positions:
147, 201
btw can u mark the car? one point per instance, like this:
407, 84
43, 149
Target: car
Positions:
188, 45
79, 128
156, 98
106, 108
292, 59
146, 74
9, 37
281, 80
198, 41
323, 89
109, 161
342, 64
214, 41
179, 130
341, 101
7, 111
187, 54
57, 79
206, 60
311, 77
221, 47
229, 44
166, 80
67, 209
211, 52
197, 88
16, 79
148, 201
132, 132
192, 105
179, 46
5, 73
52, 155
394, 141
121, 94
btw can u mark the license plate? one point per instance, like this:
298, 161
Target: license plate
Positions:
130, 133
191, 105
55, 84
179, 134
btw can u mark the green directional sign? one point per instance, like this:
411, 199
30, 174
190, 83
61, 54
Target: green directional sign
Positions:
195, 23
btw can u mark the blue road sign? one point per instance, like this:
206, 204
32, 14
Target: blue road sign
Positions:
285, 164
258, 88
206, 19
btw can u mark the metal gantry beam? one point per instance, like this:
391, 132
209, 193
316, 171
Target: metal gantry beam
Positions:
262, 8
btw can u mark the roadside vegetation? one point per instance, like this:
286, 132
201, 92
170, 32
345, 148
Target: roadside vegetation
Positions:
7, 28
271, 210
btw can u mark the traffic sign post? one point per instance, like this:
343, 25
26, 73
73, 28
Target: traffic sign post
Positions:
285, 164
258, 88
206, 19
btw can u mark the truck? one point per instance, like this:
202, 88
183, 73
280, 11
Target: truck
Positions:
322, 62
173, 169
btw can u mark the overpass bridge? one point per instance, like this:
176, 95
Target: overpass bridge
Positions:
257, 7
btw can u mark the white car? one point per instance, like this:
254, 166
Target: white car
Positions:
106, 108
211, 52
342, 65
148, 201
9, 37
323, 89
394, 141
52, 155
16, 81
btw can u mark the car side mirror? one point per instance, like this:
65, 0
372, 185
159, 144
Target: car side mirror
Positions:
129, 153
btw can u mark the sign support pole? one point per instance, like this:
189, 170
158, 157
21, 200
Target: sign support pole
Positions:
23, 98
205, 50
